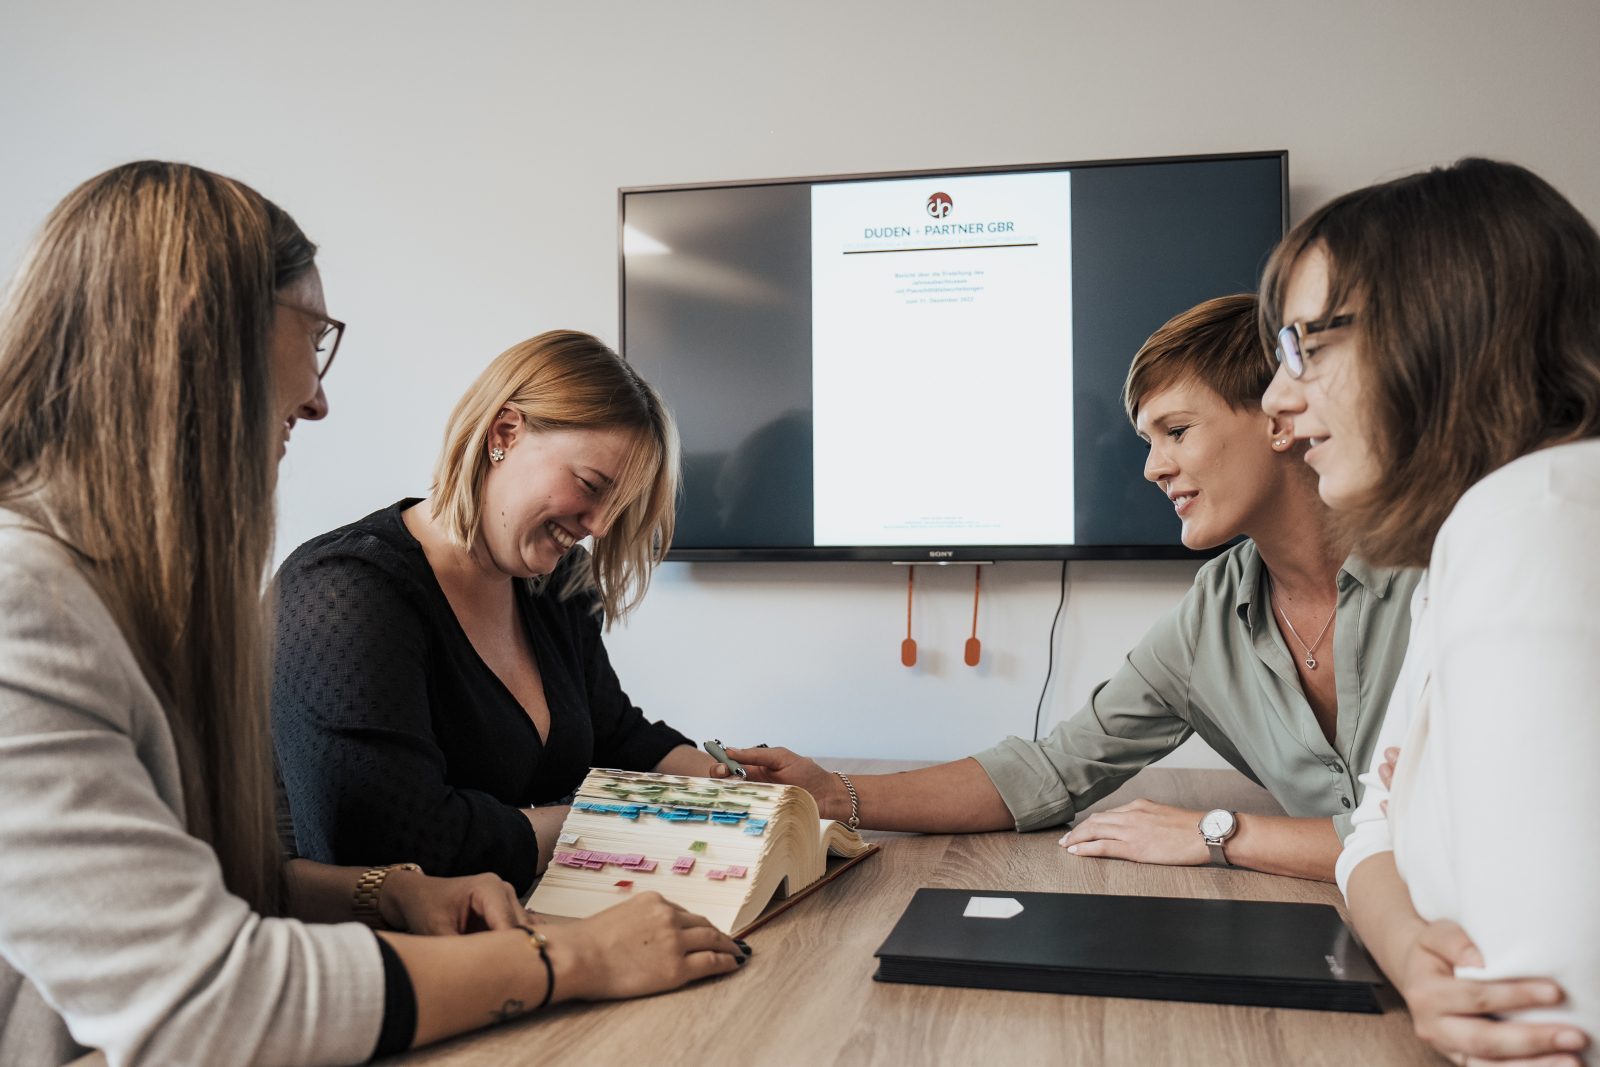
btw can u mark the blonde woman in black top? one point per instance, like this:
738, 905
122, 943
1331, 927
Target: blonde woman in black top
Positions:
441, 679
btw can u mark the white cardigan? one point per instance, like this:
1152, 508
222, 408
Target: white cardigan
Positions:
1494, 817
116, 931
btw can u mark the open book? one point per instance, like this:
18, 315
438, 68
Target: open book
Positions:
720, 847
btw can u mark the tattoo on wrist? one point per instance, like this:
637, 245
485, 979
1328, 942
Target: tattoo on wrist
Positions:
508, 1011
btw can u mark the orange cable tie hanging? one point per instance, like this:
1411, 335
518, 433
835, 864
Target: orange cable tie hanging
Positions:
908, 647
974, 647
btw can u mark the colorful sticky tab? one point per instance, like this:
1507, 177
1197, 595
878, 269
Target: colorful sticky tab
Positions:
624, 884
716, 875
697, 846
567, 839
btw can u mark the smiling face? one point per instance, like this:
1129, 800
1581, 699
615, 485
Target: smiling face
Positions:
552, 489
1215, 462
298, 321
1328, 403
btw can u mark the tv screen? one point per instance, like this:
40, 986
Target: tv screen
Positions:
928, 366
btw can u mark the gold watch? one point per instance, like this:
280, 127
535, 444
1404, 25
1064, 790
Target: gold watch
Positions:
368, 887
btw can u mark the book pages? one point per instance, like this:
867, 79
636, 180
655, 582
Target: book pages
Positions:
722, 848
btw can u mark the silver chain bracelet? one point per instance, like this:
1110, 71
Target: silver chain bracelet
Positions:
854, 821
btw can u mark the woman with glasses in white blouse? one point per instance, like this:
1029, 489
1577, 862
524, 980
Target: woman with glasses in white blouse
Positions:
1439, 347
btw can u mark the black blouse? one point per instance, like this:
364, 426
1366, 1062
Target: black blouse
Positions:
397, 743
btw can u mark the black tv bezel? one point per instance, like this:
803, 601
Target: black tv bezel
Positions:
924, 554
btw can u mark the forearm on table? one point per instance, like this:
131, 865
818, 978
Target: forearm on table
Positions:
323, 893
1280, 844
464, 983
953, 797
1381, 909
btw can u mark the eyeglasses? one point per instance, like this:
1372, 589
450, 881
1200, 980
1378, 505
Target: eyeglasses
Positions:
327, 339
1293, 336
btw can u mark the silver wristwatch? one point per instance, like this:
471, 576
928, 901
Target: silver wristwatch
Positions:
1216, 826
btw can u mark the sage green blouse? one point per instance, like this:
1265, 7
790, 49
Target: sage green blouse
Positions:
1217, 666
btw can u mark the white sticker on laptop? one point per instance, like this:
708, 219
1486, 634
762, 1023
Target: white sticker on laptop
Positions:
991, 908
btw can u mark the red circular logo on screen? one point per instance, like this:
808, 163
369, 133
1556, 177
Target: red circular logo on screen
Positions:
940, 204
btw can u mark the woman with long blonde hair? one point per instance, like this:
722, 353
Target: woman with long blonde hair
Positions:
161, 340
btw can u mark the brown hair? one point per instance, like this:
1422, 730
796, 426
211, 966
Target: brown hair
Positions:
1214, 343
1477, 297
566, 380
135, 426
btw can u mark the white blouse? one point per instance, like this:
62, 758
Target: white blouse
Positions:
1494, 818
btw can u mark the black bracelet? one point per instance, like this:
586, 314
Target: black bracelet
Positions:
537, 940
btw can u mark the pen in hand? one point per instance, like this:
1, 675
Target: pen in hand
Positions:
720, 754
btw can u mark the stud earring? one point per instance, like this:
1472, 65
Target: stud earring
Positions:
497, 454
1282, 442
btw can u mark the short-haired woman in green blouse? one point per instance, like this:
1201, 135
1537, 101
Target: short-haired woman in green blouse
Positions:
1281, 657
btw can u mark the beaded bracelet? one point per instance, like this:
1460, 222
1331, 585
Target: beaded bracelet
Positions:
537, 940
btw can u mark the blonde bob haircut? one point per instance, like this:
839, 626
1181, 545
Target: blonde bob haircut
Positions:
566, 380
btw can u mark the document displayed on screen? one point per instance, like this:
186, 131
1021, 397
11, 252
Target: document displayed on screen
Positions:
942, 360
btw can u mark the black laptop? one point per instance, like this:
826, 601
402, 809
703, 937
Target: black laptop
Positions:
1160, 948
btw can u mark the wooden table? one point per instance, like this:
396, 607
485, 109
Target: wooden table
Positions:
807, 995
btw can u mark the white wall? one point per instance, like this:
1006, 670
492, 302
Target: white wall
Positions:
459, 165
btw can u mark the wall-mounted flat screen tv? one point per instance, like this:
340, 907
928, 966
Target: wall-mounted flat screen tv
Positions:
928, 366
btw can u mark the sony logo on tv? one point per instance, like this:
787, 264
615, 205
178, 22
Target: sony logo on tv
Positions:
940, 553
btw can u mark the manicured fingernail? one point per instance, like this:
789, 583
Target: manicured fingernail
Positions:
1072, 849
1571, 1039
744, 946
741, 960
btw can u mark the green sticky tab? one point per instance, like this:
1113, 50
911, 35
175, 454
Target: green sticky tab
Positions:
698, 846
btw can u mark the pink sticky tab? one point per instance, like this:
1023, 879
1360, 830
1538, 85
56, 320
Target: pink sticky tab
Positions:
624, 884
736, 872
716, 875
647, 866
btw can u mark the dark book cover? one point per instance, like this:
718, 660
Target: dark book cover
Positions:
1162, 948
